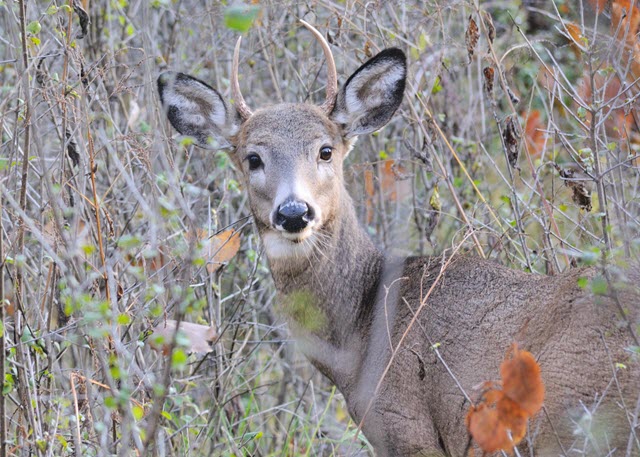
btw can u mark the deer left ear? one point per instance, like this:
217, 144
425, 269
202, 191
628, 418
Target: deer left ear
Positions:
372, 94
198, 110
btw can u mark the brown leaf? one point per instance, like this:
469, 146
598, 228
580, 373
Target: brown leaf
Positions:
489, 74
488, 23
511, 140
222, 248
581, 193
471, 36
499, 421
487, 430
534, 133
367, 49
521, 380
83, 18
72, 149
598, 5
575, 33
197, 336
625, 21
370, 190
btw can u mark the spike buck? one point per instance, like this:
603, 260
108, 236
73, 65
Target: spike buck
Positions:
351, 307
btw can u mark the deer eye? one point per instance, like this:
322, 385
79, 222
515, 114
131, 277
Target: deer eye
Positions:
254, 160
325, 153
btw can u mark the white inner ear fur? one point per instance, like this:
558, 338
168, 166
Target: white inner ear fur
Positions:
199, 105
379, 80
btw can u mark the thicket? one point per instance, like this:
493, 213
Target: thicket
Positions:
519, 123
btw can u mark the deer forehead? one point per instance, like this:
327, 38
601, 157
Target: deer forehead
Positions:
289, 127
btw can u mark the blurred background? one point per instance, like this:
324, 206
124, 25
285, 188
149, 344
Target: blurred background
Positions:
519, 123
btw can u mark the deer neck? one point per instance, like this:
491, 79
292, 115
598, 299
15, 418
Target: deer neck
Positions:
328, 294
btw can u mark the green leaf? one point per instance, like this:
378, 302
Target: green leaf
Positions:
138, 412
34, 27
240, 18
437, 87
599, 286
124, 319
178, 358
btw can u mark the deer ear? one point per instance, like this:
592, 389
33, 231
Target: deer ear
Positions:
372, 94
196, 109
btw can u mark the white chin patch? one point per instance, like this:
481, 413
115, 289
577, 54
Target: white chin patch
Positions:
284, 245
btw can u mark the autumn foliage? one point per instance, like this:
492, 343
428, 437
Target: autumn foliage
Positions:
498, 422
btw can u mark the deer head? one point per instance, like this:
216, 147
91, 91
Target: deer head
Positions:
290, 155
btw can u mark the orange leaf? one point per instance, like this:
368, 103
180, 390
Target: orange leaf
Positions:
388, 180
487, 430
534, 134
598, 5
625, 21
513, 418
222, 248
521, 380
370, 190
499, 421
576, 36
218, 249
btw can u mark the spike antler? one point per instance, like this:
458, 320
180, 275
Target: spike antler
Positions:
241, 106
332, 75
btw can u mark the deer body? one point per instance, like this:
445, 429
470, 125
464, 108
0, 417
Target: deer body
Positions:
349, 305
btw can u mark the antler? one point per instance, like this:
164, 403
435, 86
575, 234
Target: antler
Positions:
241, 106
332, 75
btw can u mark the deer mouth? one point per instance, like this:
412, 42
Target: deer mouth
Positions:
280, 244
297, 237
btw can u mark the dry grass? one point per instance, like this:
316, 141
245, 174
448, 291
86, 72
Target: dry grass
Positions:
98, 202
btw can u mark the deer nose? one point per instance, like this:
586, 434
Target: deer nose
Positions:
293, 215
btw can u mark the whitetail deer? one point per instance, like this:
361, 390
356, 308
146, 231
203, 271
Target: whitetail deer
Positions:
350, 305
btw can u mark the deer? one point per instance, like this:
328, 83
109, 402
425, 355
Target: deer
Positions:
407, 340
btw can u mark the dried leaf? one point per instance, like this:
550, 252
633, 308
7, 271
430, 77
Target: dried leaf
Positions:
487, 430
84, 19
42, 76
575, 33
488, 23
511, 139
367, 49
624, 21
521, 380
221, 248
197, 337
499, 421
489, 74
72, 149
598, 5
514, 98
534, 134
471, 36
434, 201
581, 193
370, 190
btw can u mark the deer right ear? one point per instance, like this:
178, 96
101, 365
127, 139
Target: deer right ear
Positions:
196, 109
372, 94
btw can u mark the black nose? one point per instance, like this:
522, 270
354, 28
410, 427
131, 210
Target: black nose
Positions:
293, 215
